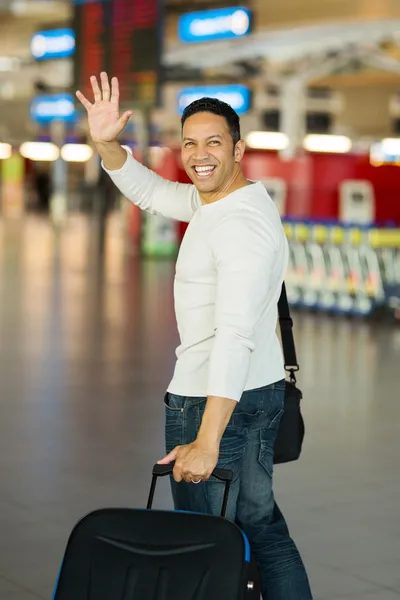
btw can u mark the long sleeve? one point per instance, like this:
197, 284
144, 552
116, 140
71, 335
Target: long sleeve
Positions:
153, 193
244, 247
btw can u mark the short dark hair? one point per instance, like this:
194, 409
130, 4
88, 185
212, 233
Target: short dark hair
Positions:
217, 107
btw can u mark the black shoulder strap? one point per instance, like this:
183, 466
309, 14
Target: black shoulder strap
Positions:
286, 326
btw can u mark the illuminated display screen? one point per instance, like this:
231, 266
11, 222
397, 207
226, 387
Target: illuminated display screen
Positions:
52, 44
237, 96
123, 38
47, 108
216, 24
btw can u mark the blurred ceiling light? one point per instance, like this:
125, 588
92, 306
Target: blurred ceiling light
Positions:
9, 63
267, 140
76, 153
39, 151
5, 151
391, 146
31, 7
339, 144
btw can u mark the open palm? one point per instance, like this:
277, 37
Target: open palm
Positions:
105, 123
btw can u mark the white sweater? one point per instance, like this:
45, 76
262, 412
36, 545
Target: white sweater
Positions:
229, 274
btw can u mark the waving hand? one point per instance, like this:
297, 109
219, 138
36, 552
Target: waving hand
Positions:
105, 122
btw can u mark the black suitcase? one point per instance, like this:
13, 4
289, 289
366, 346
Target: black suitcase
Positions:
146, 554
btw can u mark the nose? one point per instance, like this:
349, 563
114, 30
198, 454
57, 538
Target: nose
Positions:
200, 153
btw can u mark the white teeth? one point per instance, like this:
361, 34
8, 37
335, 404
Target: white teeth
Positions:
204, 169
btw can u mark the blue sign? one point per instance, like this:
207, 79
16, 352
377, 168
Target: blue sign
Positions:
55, 43
218, 24
56, 107
237, 96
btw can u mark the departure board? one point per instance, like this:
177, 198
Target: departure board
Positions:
124, 38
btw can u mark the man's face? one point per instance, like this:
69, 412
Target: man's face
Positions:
208, 153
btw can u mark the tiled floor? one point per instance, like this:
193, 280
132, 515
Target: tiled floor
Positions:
86, 350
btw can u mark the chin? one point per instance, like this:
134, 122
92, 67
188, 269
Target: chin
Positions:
204, 186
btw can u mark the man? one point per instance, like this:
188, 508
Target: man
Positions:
225, 399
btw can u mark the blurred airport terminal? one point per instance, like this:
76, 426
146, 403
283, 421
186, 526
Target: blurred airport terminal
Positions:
87, 326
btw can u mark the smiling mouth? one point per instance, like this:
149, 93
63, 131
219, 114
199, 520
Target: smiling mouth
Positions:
205, 171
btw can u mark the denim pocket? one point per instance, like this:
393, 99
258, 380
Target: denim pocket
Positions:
174, 403
247, 410
174, 421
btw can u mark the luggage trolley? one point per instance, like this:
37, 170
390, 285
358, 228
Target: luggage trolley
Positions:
146, 554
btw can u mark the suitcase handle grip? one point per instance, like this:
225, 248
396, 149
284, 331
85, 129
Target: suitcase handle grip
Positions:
221, 474
225, 475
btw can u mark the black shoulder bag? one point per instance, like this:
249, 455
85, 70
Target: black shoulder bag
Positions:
290, 434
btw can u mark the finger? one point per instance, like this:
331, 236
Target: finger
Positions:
169, 458
105, 86
122, 121
88, 105
96, 89
177, 473
114, 90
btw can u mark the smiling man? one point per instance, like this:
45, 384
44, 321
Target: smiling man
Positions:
225, 400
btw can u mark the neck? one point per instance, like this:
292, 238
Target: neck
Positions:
237, 181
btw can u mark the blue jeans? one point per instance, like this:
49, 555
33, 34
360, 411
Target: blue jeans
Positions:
247, 449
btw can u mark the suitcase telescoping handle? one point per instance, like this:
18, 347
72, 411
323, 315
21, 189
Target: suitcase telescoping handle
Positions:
225, 475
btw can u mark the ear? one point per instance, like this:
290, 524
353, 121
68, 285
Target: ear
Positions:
239, 151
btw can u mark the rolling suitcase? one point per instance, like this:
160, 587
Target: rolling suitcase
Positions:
146, 554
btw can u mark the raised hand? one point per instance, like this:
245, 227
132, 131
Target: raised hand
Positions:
105, 122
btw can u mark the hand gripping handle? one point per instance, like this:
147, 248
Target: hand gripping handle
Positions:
225, 475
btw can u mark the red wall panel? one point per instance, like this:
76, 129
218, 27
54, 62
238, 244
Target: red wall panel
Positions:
313, 182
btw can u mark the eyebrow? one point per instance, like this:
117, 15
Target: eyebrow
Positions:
216, 135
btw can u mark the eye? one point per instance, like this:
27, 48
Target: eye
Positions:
188, 144
214, 142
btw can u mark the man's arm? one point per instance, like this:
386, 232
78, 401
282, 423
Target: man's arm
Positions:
215, 419
244, 246
196, 461
113, 155
145, 188
140, 185
244, 251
